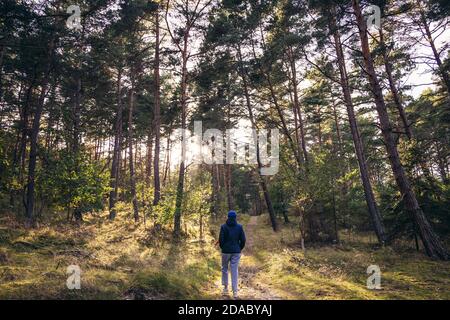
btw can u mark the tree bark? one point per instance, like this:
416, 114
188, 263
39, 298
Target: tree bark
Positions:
431, 242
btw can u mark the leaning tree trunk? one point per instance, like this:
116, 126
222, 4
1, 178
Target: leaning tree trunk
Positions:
431, 242
398, 101
357, 142
266, 75
35, 135
262, 182
395, 94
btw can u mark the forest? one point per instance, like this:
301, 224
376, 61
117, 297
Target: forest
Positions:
349, 101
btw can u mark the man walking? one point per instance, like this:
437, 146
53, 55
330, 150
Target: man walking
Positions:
231, 241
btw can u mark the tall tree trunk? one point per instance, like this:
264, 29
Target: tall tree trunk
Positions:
117, 150
76, 130
431, 242
181, 172
357, 142
35, 135
130, 151
157, 125
24, 128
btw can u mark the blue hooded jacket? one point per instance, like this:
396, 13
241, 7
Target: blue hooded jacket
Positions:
232, 236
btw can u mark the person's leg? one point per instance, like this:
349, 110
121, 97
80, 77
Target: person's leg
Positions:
225, 261
235, 257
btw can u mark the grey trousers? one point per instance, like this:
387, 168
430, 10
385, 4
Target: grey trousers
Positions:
233, 260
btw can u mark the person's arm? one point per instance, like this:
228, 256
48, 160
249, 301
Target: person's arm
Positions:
221, 237
242, 239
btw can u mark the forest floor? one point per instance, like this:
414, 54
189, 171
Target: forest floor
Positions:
122, 260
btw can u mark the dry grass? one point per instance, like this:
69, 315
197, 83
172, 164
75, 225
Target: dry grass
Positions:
339, 271
119, 260
122, 260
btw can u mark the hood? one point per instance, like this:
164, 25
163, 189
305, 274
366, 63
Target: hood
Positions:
231, 222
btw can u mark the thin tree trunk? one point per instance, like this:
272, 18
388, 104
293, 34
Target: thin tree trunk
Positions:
215, 191
157, 120
76, 130
431, 242
297, 109
116, 150
181, 172
149, 157
336, 232
130, 151
167, 160
24, 128
228, 187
